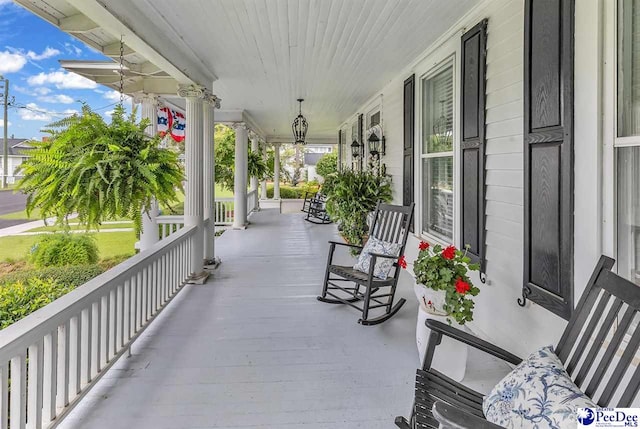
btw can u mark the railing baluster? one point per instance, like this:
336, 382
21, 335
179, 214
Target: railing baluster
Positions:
18, 392
121, 314
86, 340
134, 306
62, 397
106, 331
96, 338
34, 386
49, 374
75, 355
113, 324
139, 302
4, 395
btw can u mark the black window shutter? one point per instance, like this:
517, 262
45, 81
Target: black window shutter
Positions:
409, 136
548, 155
472, 131
340, 143
364, 155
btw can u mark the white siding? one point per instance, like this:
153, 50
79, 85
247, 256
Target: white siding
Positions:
497, 314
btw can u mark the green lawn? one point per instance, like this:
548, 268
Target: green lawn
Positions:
110, 244
74, 226
178, 207
35, 215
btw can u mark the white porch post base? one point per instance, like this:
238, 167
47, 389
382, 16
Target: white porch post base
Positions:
193, 202
240, 179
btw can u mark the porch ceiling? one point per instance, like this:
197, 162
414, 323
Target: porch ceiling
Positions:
267, 53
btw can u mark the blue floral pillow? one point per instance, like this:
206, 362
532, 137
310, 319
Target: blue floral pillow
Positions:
538, 393
383, 265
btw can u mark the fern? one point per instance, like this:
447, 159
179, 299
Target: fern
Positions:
99, 171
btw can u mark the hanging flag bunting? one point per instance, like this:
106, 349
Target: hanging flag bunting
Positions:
165, 121
177, 129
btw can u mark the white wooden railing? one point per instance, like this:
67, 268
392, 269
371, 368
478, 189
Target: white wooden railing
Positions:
224, 211
252, 201
51, 358
169, 224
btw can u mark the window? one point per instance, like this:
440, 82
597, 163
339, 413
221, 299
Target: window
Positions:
628, 141
437, 154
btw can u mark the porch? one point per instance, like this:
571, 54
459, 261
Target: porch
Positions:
253, 348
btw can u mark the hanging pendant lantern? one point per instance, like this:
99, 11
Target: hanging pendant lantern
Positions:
300, 126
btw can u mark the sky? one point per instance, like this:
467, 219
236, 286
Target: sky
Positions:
30, 51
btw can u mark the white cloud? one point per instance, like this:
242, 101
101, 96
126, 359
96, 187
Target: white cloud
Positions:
43, 90
33, 112
1, 119
47, 53
72, 49
108, 113
57, 98
61, 80
114, 96
11, 62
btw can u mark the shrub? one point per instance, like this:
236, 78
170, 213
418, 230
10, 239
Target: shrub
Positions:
291, 192
64, 249
327, 164
18, 300
71, 276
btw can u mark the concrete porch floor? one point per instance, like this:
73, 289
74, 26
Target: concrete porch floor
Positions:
253, 348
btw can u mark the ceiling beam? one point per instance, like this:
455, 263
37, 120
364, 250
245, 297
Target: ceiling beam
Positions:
120, 18
153, 85
113, 50
78, 23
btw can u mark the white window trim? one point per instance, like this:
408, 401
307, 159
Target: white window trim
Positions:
611, 141
449, 55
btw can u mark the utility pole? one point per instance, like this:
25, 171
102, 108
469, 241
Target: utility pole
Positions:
5, 150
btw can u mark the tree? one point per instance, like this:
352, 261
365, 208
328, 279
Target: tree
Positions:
99, 171
327, 164
225, 147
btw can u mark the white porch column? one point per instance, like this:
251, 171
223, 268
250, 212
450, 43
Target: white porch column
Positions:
208, 174
276, 171
263, 185
254, 179
193, 201
240, 179
149, 234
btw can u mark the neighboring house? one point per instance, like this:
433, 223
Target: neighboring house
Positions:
311, 156
18, 153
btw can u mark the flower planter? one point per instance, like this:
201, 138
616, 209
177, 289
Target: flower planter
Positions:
451, 356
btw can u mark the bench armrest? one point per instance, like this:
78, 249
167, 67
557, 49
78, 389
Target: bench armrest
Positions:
339, 243
454, 418
438, 329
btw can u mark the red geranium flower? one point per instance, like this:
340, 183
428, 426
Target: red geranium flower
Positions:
462, 287
449, 252
402, 262
423, 245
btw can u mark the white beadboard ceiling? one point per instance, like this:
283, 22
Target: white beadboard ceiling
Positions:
336, 54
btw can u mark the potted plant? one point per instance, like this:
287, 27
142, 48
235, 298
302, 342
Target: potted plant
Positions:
445, 292
351, 196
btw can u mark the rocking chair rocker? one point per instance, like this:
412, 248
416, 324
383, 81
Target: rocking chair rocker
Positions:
390, 224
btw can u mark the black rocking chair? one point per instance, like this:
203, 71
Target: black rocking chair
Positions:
308, 196
391, 224
588, 348
317, 210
